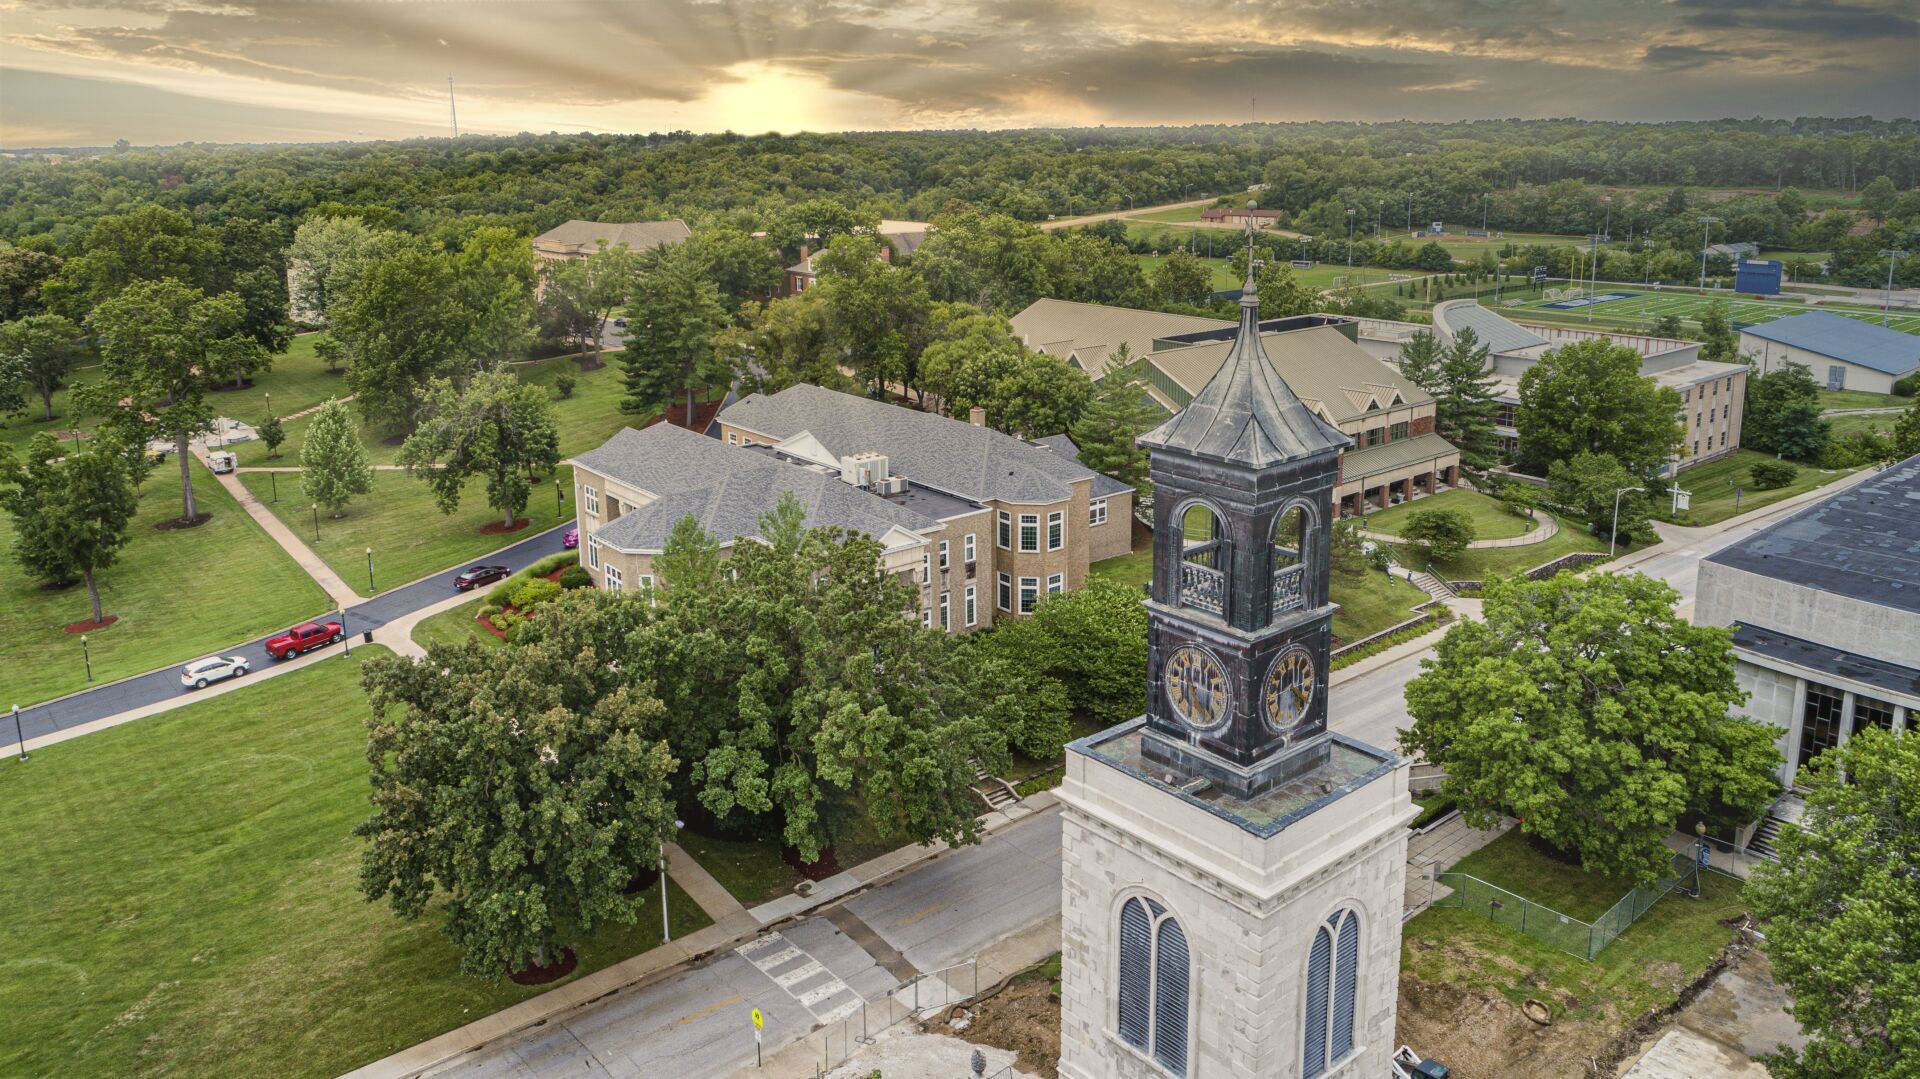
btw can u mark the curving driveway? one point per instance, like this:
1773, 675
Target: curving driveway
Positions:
162, 686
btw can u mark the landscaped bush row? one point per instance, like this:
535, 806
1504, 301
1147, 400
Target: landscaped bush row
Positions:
1357, 652
502, 594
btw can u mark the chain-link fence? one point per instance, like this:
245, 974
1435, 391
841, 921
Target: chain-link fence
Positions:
1549, 926
925, 994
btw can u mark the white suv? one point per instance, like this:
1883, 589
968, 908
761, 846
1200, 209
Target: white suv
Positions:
197, 674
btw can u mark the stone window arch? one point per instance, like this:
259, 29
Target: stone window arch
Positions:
1205, 556
1153, 987
1292, 545
1332, 993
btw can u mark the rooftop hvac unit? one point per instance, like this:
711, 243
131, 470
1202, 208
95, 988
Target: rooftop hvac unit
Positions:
892, 485
864, 469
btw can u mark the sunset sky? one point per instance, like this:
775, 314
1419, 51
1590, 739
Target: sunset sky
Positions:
87, 72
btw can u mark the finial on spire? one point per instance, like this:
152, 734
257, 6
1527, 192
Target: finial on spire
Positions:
1252, 263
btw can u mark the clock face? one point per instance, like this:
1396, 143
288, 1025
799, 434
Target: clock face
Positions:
1197, 688
1291, 683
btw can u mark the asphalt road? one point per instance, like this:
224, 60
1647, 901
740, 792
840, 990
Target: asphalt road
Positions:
693, 1024
163, 684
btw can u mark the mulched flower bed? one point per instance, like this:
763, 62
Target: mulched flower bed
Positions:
89, 625
552, 972
181, 524
497, 528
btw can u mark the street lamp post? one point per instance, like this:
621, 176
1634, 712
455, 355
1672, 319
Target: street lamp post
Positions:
1614, 532
19, 738
1349, 243
316, 522
666, 931
370, 588
1893, 255
1706, 235
346, 639
86, 656
556, 500
274, 479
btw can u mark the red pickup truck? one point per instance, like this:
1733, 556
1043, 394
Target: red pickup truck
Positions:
304, 637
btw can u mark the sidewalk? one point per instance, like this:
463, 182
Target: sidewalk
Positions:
336, 589
1435, 851
733, 925
1549, 527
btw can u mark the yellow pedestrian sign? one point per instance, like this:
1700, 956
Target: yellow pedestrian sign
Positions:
759, 1021
759, 1024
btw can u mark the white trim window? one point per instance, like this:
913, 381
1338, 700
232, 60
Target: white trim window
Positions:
593, 552
1097, 512
966, 548
967, 607
614, 583
946, 611
926, 618
1029, 594
1029, 532
646, 581
926, 567
943, 556
1006, 531
590, 498
1056, 530
1006, 592
1056, 584
1152, 989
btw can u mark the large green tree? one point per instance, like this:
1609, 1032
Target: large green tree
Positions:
1420, 359
519, 789
1842, 912
164, 346
497, 274
1442, 533
1117, 414
1591, 396
333, 463
70, 508
495, 427
1718, 341
802, 699
1181, 278
403, 326
1464, 403
23, 272
1783, 414
879, 315
976, 361
671, 324
1905, 440
1592, 484
326, 259
39, 351
1589, 709
1093, 640
584, 292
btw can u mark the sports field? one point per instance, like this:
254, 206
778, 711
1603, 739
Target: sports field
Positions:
1634, 307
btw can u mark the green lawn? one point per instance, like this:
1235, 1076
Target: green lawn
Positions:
1860, 399
1490, 518
752, 870
1669, 946
1714, 486
1133, 570
186, 899
1848, 426
1177, 213
178, 595
1512, 863
1371, 603
585, 420
399, 520
1480, 564
455, 625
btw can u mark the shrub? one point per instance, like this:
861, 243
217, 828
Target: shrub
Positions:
1908, 386
1772, 475
488, 610
575, 576
564, 383
535, 592
1444, 533
505, 620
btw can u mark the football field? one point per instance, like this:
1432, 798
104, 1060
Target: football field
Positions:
1631, 307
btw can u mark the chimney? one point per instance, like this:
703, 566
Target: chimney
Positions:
977, 416
886, 252
803, 254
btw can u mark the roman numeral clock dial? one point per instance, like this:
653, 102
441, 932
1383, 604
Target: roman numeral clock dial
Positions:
1198, 688
1288, 693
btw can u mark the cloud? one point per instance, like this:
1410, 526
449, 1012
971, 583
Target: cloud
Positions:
704, 65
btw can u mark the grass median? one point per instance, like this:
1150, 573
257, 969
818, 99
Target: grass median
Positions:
409, 535
188, 901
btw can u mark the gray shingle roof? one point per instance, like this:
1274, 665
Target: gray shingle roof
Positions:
1246, 415
1104, 486
1092, 331
726, 488
637, 235
973, 462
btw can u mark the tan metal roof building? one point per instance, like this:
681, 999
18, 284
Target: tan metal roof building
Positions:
578, 239
1086, 334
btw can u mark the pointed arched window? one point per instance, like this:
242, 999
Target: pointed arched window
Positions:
1333, 982
1153, 984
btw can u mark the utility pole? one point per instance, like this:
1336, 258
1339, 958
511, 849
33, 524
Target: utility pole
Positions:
453, 114
1893, 255
1706, 236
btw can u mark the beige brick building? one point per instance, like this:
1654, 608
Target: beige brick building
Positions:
982, 524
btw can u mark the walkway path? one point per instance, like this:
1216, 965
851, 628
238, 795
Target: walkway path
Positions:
337, 590
1436, 850
1548, 527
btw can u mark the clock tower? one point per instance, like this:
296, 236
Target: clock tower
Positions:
1239, 620
1232, 872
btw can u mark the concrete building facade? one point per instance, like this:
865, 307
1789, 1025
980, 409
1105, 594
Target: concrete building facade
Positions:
1841, 353
1825, 609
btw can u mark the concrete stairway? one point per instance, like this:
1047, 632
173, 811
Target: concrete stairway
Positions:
996, 792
